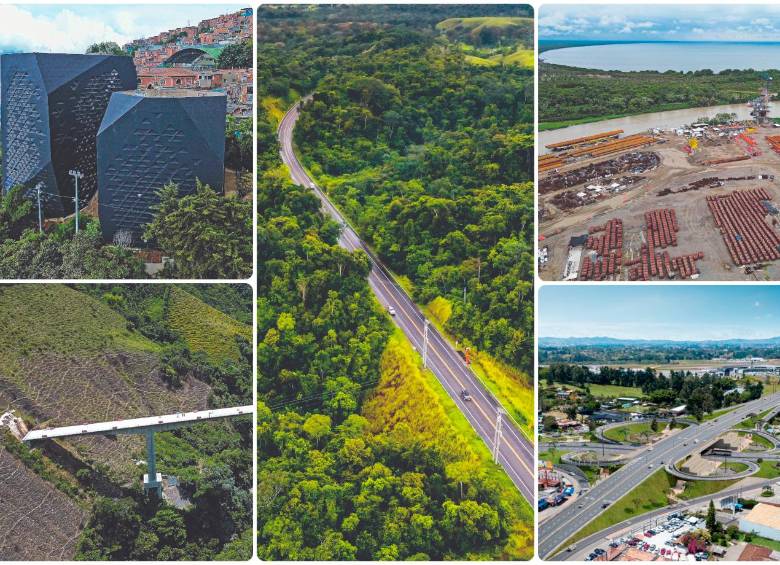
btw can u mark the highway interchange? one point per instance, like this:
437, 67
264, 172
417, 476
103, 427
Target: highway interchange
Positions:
516, 453
555, 532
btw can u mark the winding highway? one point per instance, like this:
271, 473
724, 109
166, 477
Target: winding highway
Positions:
515, 451
555, 532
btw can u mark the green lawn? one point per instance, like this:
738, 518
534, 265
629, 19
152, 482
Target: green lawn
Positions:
633, 432
760, 441
695, 489
548, 456
768, 470
750, 423
766, 542
718, 413
611, 391
735, 466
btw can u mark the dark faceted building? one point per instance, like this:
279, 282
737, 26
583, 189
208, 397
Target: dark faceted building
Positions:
52, 106
150, 138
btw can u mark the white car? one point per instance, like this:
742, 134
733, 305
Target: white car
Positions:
391, 310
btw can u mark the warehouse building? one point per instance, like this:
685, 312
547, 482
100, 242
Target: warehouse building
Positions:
763, 520
52, 106
150, 138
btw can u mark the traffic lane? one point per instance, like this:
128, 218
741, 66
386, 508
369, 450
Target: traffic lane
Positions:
618, 529
352, 242
466, 375
623, 480
452, 361
671, 449
480, 418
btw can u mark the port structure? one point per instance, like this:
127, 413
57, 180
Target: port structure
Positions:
146, 426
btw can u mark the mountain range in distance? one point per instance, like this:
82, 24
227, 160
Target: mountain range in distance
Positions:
603, 341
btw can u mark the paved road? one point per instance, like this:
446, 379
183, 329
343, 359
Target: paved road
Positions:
647, 521
516, 453
588, 446
554, 533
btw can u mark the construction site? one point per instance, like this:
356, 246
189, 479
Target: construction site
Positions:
695, 202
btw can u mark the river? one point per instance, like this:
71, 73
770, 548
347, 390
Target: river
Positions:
641, 122
665, 56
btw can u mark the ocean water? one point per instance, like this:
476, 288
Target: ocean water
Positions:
665, 56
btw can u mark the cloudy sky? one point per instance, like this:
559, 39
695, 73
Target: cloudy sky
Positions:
668, 22
678, 312
73, 28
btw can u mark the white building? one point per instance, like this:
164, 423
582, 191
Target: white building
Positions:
764, 520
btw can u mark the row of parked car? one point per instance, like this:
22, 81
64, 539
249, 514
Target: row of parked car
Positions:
675, 523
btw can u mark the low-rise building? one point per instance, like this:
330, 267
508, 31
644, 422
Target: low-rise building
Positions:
763, 520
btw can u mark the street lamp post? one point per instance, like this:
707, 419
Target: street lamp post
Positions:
76, 174
40, 215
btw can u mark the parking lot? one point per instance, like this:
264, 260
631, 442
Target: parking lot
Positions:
654, 540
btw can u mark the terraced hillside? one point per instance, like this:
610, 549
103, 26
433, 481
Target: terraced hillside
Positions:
205, 328
37, 522
71, 355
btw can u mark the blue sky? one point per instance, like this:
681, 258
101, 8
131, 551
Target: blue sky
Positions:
675, 312
647, 22
67, 28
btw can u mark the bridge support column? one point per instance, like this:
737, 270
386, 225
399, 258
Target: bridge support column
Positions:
152, 479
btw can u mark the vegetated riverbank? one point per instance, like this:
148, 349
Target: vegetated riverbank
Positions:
570, 95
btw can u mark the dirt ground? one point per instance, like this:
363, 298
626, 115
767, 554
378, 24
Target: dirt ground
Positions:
37, 522
697, 230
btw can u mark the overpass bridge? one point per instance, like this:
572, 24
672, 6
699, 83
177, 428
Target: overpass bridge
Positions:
141, 426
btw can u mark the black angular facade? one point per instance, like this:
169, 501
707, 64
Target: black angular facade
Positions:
52, 106
150, 139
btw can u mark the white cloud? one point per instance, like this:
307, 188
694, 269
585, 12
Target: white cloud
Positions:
71, 29
66, 32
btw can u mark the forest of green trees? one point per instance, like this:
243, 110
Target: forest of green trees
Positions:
337, 480
212, 461
702, 394
430, 158
570, 95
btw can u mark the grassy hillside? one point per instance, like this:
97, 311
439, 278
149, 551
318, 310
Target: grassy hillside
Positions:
205, 328
59, 346
410, 399
56, 319
91, 353
479, 24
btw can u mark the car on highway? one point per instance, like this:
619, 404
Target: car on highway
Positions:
391, 310
464, 394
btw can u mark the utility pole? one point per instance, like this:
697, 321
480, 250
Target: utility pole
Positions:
76, 174
425, 343
497, 435
40, 215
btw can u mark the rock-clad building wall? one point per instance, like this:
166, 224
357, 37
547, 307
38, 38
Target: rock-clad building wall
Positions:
149, 139
52, 106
